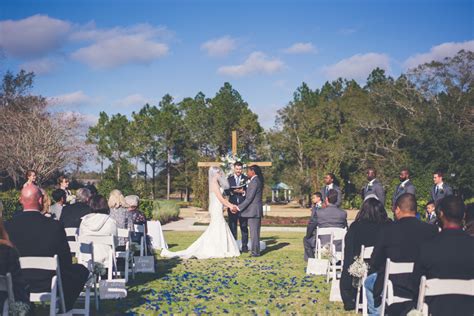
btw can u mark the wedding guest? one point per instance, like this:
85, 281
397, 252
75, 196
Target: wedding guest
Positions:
72, 213
400, 242
329, 184
309, 240
330, 216
119, 212
92, 189
449, 255
63, 184
373, 186
30, 177
133, 201
439, 189
59, 197
469, 219
365, 229
430, 213
405, 186
35, 235
99, 223
10, 263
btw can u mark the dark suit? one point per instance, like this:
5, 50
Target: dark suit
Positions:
431, 218
375, 188
72, 213
325, 190
359, 233
438, 194
237, 198
252, 208
309, 240
449, 255
330, 216
10, 263
400, 242
35, 235
408, 187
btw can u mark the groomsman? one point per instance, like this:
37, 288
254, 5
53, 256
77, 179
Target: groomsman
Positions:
237, 196
406, 186
439, 189
330, 185
374, 186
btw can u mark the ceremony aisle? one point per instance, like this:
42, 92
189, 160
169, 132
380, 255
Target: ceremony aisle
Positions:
274, 283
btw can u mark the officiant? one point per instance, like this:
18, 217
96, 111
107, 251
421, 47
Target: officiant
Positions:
236, 193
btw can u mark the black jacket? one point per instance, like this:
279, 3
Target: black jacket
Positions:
10, 263
72, 213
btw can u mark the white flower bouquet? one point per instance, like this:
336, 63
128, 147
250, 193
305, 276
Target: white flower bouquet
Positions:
358, 269
228, 161
18, 308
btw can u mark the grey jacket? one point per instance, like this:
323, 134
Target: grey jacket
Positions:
407, 188
253, 205
324, 192
446, 191
377, 189
330, 216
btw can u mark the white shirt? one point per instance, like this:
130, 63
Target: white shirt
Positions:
404, 182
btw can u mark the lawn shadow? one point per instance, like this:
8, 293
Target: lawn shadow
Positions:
269, 240
275, 246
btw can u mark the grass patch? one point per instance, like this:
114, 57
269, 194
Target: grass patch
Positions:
274, 283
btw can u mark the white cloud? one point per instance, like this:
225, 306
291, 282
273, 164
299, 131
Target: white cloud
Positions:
133, 100
257, 62
357, 67
70, 99
86, 120
438, 53
40, 66
32, 37
220, 46
301, 48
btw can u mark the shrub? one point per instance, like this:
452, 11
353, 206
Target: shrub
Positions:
10, 206
160, 210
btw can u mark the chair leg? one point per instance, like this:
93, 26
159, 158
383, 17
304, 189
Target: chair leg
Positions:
87, 301
96, 295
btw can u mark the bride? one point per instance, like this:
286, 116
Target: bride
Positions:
217, 241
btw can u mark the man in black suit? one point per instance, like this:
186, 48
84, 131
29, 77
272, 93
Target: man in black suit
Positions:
72, 213
35, 235
405, 186
400, 242
374, 186
309, 240
449, 255
236, 196
330, 185
439, 189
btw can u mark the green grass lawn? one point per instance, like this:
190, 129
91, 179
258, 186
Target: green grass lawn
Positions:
274, 283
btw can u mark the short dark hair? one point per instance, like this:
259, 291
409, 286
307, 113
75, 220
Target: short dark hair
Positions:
62, 178
332, 196
238, 163
453, 208
407, 202
99, 204
373, 169
439, 172
430, 202
58, 195
406, 169
318, 194
333, 177
372, 210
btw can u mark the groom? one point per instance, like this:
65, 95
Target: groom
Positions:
252, 207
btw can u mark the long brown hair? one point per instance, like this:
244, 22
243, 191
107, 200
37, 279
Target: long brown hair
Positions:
3, 231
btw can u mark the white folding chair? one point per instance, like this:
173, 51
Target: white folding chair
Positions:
392, 268
435, 287
326, 231
143, 247
72, 232
56, 293
336, 257
6, 285
85, 256
365, 253
109, 242
126, 254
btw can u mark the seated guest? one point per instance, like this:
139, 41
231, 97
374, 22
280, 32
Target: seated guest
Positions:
59, 197
469, 219
98, 223
309, 240
330, 216
72, 213
119, 212
400, 242
35, 235
10, 263
430, 213
133, 201
449, 255
365, 229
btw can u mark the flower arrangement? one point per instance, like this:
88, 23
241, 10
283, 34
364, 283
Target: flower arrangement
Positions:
358, 268
18, 308
228, 161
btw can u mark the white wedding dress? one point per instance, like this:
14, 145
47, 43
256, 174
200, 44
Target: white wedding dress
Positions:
217, 241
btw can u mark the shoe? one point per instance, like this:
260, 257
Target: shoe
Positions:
254, 255
245, 250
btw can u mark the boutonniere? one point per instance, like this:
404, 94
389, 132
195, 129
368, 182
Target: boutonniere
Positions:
242, 181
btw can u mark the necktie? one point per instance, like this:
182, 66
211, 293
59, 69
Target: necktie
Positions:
327, 190
436, 190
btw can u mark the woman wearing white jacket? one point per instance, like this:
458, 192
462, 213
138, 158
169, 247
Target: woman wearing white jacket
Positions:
99, 223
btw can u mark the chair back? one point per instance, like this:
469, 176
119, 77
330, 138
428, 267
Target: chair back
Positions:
392, 268
139, 228
72, 232
6, 285
366, 252
84, 253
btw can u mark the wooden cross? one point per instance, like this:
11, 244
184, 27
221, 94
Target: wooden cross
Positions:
234, 153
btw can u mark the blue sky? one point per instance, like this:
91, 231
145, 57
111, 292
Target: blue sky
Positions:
114, 56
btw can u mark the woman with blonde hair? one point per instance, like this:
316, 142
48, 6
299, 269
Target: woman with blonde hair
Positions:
119, 212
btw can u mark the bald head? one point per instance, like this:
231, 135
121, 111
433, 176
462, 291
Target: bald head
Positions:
31, 198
